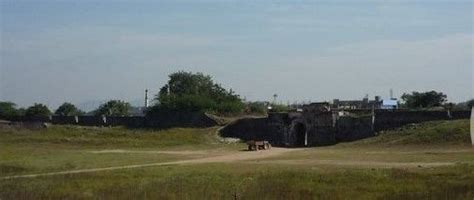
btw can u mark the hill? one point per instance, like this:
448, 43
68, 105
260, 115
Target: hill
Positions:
454, 132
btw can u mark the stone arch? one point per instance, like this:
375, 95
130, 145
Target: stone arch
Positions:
299, 133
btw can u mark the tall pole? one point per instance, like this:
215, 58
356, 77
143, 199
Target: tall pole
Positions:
472, 126
146, 98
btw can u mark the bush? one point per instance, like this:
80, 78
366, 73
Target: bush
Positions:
68, 109
8, 110
37, 111
256, 108
230, 107
113, 108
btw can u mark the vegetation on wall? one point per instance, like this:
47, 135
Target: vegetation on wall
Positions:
113, 108
467, 105
424, 99
256, 107
8, 110
186, 91
37, 111
68, 109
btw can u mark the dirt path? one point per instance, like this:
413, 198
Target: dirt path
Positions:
240, 156
120, 151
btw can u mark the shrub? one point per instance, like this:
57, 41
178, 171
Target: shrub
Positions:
37, 111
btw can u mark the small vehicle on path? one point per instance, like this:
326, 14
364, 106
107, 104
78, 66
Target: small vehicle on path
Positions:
255, 145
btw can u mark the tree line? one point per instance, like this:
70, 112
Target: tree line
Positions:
187, 91
9, 110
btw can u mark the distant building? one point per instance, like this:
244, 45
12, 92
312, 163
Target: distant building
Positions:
365, 103
389, 104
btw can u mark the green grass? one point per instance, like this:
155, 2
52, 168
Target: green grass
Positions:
110, 137
65, 147
62, 148
429, 133
249, 181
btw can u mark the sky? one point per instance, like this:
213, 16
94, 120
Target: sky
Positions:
94, 50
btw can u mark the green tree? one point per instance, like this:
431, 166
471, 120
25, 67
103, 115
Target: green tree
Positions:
470, 104
113, 108
8, 110
37, 110
186, 91
467, 105
68, 109
21, 111
424, 99
256, 108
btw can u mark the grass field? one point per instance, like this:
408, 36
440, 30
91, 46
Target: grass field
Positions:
433, 160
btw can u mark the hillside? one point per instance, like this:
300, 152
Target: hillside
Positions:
454, 132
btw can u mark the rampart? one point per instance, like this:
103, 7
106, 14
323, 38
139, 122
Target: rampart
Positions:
311, 127
162, 120
317, 128
392, 119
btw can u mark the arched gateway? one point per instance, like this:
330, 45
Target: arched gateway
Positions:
299, 134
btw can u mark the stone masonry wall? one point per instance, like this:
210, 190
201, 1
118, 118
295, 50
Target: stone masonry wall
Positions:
162, 120
326, 128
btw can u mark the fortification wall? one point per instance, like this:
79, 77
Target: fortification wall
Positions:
392, 119
326, 128
247, 129
275, 128
33, 125
162, 120
179, 119
278, 130
354, 128
321, 129
92, 121
30, 119
73, 120
133, 122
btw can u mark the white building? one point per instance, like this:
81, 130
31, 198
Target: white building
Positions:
389, 104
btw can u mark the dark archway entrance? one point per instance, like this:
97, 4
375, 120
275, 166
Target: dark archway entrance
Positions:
300, 133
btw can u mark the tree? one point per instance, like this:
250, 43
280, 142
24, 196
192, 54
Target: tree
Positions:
467, 105
470, 104
8, 110
68, 109
424, 99
113, 108
256, 107
37, 110
186, 91
21, 111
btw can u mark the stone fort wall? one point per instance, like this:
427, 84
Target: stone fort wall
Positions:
162, 120
326, 128
281, 129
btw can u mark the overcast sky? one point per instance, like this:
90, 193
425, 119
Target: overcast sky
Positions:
86, 50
